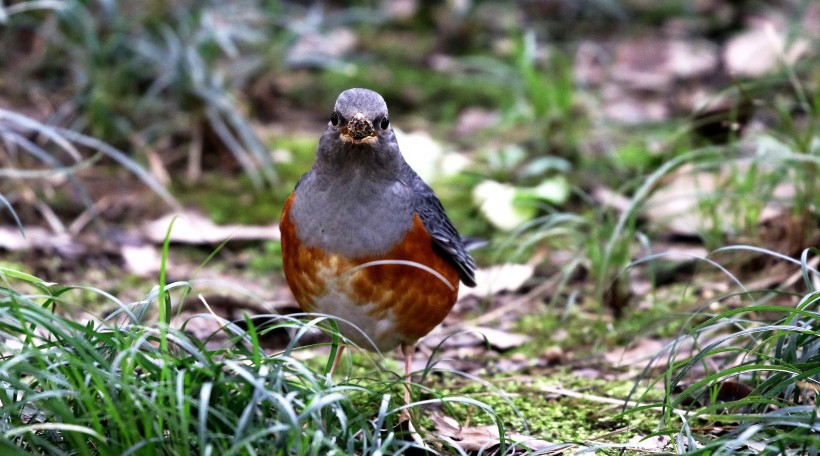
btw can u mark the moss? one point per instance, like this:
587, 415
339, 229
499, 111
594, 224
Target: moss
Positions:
574, 329
301, 150
268, 259
229, 200
549, 416
571, 330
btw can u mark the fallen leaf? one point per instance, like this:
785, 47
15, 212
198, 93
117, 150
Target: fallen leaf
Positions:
194, 228
640, 63
632, 108
317, 49
495, 279
35, 237
654, 63
428, 157
507, 206
499, 340
637, 354
481, 438
761, 49
691, 58
497, 204
472, 121
142, 260
610, 198
655, 443
675, 203
476, 336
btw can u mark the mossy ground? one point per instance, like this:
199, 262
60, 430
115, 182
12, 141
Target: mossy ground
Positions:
524, 402
553, 417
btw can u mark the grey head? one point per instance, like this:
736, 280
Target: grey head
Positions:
359, 135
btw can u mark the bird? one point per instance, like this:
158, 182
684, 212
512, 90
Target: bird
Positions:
366, 240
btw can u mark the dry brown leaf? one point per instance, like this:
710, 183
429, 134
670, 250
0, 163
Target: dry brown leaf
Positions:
691, 58
480, 438
675, 204
610, 198
316, 48
471, 337
654, 63
631, 109
141, 259
475, 120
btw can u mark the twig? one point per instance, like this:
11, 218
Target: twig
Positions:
593, 398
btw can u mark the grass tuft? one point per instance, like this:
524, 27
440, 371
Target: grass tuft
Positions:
747, 378
128, 385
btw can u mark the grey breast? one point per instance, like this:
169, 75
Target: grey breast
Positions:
352, 214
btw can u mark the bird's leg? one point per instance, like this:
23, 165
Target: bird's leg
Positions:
336, 359
407, 350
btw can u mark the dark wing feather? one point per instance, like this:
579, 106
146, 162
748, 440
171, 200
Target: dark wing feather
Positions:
445, 237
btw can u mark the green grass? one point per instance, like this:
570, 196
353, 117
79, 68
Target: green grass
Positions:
754, 369
128, 385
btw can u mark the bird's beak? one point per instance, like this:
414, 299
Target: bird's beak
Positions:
359, 130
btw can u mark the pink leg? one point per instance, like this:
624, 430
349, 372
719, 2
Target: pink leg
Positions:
336, 359
408, 350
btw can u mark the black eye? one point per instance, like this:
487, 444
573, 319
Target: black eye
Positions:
334, 118
385, 123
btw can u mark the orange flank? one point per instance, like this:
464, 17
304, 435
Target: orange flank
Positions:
417, 298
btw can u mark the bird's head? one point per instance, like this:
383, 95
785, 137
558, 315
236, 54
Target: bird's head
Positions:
360, 117
359, 129
359, 140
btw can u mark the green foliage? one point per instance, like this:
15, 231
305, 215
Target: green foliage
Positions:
50, 155
232, 200
760, 374
123, 384
139, 73
549, 95
268, 260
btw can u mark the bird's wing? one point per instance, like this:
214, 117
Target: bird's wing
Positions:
441, 229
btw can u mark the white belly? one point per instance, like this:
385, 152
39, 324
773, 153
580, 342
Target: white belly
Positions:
356, 322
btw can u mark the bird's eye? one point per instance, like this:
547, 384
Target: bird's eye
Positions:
334, 118
385, 123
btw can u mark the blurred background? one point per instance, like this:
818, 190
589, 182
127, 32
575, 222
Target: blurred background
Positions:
622, 157
575, 136
540, 118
